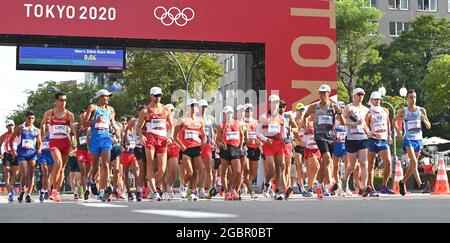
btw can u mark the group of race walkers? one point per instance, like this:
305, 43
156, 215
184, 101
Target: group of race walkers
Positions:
213, 159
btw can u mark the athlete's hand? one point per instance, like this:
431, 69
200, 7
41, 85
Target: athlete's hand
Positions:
39, 151
360, 122
183, 148
144, 140
390, 141
99, 119
169, 141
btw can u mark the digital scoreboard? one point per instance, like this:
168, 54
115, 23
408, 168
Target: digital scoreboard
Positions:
70, 59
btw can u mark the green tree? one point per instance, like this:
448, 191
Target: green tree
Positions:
148, 68
437, 85
343, 92
356, 26
405, 60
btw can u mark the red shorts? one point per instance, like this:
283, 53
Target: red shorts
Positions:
83, 156
127, 159
274, 149
157, 143
309, 153
206, 151
288, 150
63, 145
173, 151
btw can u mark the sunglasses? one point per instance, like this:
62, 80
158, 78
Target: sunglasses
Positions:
157, 96
62, 100
360, 94
248, 110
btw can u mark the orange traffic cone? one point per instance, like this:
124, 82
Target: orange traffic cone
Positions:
398, 177
441, 187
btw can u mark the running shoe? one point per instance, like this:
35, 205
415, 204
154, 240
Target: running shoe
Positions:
166, 196
253, 195
288, 192
244, 189
11, 196
386, 190
367, 191
171, 193
325, 192
41, 197
101, 195
46, 196
28, 199
218, 182
201, 193
108, 193
304, 193
130, 197
402, 187
373, 193
334, 189
183, 192
310, 193
94, 189
212, 192
188, 193
138, 196
156, 197
348, 193
86, 195
279, 196
20, 198
234, 194
194, 197
145, 192
57, 198
75, 197
228, 197
319, 192
159, 191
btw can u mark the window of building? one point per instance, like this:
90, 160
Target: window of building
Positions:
396, 28
448, 6
399, 4
372, 3
427, 5
226, 65
233, 62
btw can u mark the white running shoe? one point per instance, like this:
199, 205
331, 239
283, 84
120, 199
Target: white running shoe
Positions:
348, 193
166, 196
253, 195
156, 197
201, 193
171, 194
244, 189
182, 192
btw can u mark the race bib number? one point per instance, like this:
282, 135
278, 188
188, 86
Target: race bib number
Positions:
28, 143
325, 120
45, 145
132, 144
274, 128
380, 127
60, 129
158, 123
341, 136
83, 140
191, 135
252, 135
357, 129
103, 125
416, 124
232, 136
310, 140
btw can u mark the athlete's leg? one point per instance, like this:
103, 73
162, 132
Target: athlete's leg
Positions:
150, 155
161, 169
370, 167
386, 157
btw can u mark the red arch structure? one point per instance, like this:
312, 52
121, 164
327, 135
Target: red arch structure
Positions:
298, 35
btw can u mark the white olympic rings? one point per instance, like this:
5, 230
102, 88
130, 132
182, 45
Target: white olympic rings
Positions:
174, 15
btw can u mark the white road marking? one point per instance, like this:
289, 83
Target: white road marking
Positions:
102, 205
186, 214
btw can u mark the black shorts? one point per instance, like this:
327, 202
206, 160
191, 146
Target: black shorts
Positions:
353, 146
299, 149
115, 152
253, 154
231, 153
193, 152
73, 164
8, 160
216, 163
139, 153
325, 146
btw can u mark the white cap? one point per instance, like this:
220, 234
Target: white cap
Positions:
358, 90
248, 105
203, 103
155, 91
341, 103
324, 88
228, 109
376, 95
9, 122
240, 107
102, 92
191, 102
274, 97
170, 107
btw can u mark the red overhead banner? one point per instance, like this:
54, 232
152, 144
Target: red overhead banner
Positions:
299, 35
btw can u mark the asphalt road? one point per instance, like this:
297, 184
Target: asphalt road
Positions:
388, 209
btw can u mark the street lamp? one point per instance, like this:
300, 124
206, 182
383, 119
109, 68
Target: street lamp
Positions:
403, 91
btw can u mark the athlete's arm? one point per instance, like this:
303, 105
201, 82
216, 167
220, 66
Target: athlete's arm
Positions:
399, 117
2, 139
219, 138
178, 128
339, 115
213, 133
140, 124
170, 124
39, 140
388, 120
72, 129
17, 131
367, 121
44, 121
88, 136
85, 121
424, 118
308, 113
203, 133
259, 130
241, 131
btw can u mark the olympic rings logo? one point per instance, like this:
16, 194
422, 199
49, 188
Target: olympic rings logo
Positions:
174, 15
